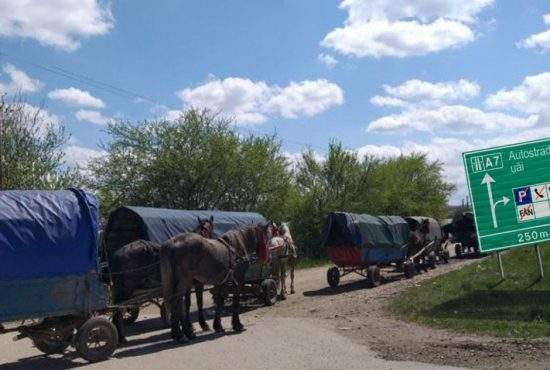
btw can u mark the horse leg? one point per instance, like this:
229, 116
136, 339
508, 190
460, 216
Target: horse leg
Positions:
199, 289
218, 300
292, 291
187, 317
282, 278
176, 318
187, 327
118, 320
235, 320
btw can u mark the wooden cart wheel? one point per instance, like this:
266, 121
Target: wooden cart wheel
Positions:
373, 276
49, 346
269, 292
409, 269
333, 276
130, 315
96, 339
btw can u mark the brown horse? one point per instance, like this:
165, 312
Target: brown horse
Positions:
137, 265
190, 257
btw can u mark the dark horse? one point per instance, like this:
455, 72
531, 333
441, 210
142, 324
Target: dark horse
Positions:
418, 239
190, 257
137, 266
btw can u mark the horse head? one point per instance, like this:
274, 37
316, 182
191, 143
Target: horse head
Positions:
205, 227
418, 236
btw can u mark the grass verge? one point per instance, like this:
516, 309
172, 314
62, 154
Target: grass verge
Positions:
475, 300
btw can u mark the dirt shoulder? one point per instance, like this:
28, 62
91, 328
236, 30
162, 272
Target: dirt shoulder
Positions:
360, 314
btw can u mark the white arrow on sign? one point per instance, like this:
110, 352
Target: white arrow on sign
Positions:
488, 180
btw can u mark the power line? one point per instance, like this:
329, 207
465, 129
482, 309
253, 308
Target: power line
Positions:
123, 92
86, 80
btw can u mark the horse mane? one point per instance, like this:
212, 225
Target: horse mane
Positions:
244, 240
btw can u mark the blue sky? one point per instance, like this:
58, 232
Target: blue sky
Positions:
384, 77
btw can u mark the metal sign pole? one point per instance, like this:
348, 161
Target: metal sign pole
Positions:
539, 258
1, 146
499, 257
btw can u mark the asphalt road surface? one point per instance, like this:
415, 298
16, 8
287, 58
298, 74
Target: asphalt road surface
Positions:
279, 337
268, 343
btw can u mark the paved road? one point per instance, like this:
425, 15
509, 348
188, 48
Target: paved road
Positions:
268, 343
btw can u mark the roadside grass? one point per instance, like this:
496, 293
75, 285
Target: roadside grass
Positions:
307, 262
475, 300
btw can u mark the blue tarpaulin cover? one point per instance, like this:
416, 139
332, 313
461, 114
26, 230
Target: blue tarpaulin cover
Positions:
47, 234
127, 224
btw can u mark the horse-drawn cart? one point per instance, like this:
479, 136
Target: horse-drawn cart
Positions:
50, 291
126, 225
362, 244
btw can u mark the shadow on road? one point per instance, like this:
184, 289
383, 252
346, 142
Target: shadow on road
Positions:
43, 362
156, 342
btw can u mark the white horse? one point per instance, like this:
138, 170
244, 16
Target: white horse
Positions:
284, 258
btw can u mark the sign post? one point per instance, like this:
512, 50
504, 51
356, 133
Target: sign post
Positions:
509, 189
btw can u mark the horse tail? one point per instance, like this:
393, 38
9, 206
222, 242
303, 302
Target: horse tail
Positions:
167, 274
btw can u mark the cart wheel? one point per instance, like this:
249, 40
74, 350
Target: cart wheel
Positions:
49, 347
333, 276
408, 269
373, 276
431, 260
96, 340
269, 292
130, 315
165, 316
458, 250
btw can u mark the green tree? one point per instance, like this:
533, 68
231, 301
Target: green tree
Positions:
411, 185
406, 185
31, 149
342, 182
195, 162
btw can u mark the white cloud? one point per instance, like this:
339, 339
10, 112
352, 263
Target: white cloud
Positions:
456, 118
79, 156
41, 114
172, 115
19, 81
77, 97
540, 40
328, 60
92, 116
414, 92
250, 101
58, 23
304, 98
401, 28
532, 96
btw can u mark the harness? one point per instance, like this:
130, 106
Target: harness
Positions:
235, 261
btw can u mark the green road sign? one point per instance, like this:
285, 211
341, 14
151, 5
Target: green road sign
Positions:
509, 188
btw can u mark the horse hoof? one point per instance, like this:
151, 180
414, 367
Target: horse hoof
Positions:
282, 297
205, 327
181, 339
238, 328
219, 329
292, 291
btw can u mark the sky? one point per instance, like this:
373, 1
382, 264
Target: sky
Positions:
384, 77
